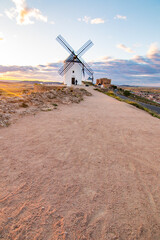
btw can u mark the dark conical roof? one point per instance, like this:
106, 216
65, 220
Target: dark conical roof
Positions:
73, 58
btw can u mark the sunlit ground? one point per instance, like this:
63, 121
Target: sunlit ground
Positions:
10, 89
144, 89
13, 89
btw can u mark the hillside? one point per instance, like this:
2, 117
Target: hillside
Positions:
20, 99
84, 171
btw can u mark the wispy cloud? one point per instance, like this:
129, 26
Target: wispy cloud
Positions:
1, 15
23, 14
97, 21
123, 47
84, 19
120, 17
87, 19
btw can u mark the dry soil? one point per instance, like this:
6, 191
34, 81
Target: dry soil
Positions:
86, 171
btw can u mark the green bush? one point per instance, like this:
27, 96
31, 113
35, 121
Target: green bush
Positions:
55, 104
114, 87
126, 93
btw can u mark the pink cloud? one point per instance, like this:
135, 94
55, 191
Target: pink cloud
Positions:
126, 49
23, 14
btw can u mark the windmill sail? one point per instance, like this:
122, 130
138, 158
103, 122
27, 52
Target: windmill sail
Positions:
64, 43
65, 68
75, 58
87, 68
84, 48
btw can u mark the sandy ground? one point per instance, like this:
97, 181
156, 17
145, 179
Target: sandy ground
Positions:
85, 171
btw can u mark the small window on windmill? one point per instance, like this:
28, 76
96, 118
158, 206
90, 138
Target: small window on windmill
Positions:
72, 71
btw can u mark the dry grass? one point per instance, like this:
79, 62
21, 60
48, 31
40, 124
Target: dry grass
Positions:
144, 89
8, 89
19, 99
135, 104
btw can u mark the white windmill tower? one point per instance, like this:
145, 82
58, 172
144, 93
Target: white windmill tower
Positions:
74, 67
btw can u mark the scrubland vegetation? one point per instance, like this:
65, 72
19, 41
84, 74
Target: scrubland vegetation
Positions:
20, 99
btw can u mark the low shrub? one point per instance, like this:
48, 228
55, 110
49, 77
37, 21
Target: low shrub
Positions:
55, 104
24, 105
126, 93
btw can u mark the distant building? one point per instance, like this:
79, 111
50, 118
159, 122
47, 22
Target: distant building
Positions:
103, 81
89, 79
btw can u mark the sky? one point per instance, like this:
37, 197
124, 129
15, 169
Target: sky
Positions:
125, 34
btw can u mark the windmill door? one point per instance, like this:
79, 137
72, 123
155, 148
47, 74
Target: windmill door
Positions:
73, 80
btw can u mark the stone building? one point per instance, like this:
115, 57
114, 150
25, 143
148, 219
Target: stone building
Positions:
105, 82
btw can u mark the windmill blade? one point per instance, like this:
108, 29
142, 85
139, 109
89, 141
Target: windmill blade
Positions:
87, 68
83, 72
65, 68
61, 71
64, 43
84, 48
70, 58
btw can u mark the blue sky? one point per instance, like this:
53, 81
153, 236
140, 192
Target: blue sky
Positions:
125, 35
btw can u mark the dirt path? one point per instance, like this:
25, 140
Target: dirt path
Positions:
84, 171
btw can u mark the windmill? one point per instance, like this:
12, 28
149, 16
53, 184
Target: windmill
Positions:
74, 67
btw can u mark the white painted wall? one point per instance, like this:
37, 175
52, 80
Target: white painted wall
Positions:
74, 72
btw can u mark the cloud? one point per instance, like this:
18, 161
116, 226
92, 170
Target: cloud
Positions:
153, 50
97, 21
48, 72
84, 19
23, 14
105, 59
1, 15
140, 70
87, 19
120, 17
123, 47
140, 59
52, 22
22, 69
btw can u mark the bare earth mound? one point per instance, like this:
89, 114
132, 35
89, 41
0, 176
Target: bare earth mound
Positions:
85, 171
21, 102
